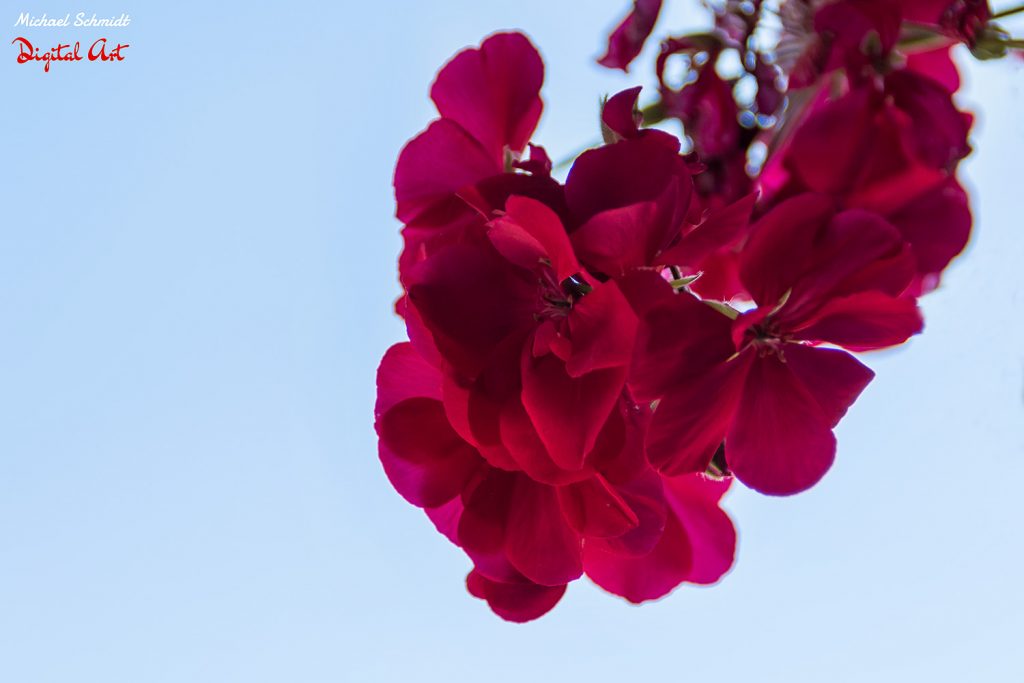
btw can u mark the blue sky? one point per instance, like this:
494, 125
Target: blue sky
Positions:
197, 267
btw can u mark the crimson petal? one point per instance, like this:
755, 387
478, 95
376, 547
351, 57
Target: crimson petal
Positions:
938, 225
520, 438
833, 377
645, 496
780, 246
531, 232
469, 321
719, 230
940, 129
692, 419
836, 170
426, 461
593, 508
681, 337
694, 501
854, 241
864, 321
619, 113
647, 577
404, 374
568, 412
781, 442
493, 92
481, 527
538, 541
603, 329
433, 167
618, 240
627, 40
446, 518
518, 601
623, 174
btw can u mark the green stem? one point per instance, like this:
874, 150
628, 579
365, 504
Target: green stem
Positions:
1008, 12
654, 113
921, 38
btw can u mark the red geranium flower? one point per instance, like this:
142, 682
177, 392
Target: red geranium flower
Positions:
892, 151
759, 382
530, 339
636, 534
630, 200
489, 102
567, 403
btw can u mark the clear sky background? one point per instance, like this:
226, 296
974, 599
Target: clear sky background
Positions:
197, 268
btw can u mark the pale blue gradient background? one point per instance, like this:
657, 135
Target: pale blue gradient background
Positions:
197, 267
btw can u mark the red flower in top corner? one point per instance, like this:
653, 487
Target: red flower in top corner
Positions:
964, 20
893, 148
489, 102
629, 200
627, 40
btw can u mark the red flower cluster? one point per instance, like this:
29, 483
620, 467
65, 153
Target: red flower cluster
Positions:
591, 362
508, 418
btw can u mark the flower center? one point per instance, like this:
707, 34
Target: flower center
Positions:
557, 298
766, 338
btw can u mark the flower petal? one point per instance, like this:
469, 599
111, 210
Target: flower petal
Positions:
940, 130
691, 421
864, 321
627, 40
780, 442
781, 246
530, 232
538, 541
426, 461
617, 240
433, 167
520, 438
404, 374
493, 92
602, 326
481, 530
854, 242
694, 501
474, 408
644, 577
470, 321
681, 337
626, 173
568, 412
836, 170
719, 230
938, 225
937, 64
645, 496
519, 601
446, 518
619, 113
698, 545
593, 508
833, 377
